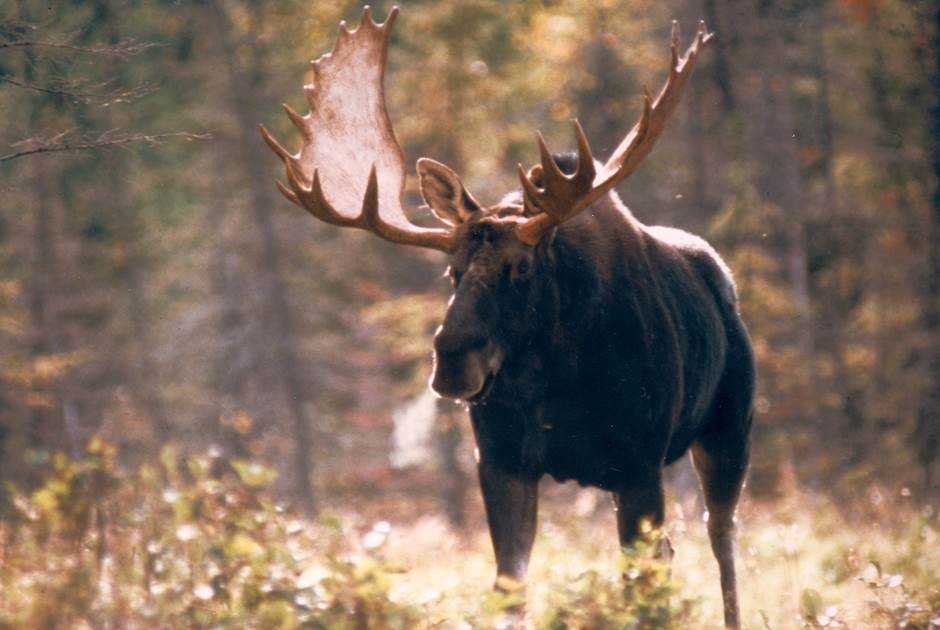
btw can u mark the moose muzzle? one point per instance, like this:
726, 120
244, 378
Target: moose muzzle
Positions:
466, 359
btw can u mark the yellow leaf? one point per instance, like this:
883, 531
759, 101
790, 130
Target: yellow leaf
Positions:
242, 545
45, 500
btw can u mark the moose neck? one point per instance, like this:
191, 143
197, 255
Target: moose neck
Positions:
574, 276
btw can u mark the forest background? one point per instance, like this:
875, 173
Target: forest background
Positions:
156, 291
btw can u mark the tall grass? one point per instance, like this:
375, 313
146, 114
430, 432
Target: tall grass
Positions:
198, 542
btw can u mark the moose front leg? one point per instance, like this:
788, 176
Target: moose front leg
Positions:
511, 505
639, 500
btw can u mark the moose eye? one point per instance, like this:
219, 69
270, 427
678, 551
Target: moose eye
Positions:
520, 272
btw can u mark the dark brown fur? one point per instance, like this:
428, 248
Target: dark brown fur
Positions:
600, 355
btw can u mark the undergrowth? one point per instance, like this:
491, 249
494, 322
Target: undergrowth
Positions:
199, 542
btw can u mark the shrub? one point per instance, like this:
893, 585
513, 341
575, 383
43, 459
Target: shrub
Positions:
183, 542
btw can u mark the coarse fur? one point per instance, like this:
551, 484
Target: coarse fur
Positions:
603, 353
631, 349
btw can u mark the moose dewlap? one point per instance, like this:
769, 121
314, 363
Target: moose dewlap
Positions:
587, 345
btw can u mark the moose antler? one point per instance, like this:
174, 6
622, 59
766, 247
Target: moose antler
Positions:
561, 197
350, 165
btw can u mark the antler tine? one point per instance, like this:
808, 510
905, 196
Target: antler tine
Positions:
586, 169
283, 153
549, 168
705, 36
527, 185
342, 32
289, 194
299, 122
367, 17
564, 197
369, 215
390, 20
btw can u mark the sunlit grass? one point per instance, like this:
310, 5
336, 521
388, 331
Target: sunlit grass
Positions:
197, 543
800, 564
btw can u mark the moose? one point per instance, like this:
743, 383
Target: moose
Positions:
587, 345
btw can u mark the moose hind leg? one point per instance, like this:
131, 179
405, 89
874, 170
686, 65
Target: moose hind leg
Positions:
721, 472
511, 505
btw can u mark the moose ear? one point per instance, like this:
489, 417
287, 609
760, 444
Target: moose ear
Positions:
444, 193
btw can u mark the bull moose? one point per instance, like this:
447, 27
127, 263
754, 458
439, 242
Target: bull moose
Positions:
586, 344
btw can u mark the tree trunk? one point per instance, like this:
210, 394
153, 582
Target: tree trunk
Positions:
719, 68
278, 318
231, 368
781, 179
783, 187
45, 287
831, 240
142, 368
698, 195
927, 434
925, 437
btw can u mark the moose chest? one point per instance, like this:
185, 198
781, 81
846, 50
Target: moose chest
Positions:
569, 438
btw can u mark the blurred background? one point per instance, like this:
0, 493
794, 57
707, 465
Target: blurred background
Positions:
156, 289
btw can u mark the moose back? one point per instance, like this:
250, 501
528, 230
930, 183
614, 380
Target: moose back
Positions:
587, 345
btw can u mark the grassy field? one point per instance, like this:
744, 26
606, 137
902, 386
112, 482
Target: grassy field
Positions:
801, 564
197, 543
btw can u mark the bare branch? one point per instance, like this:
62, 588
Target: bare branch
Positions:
79, 91
121, 50
54, 145
78, 96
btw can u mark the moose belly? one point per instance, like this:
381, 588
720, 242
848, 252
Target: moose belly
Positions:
565, 442
601, 458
